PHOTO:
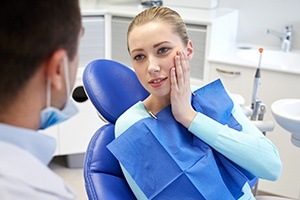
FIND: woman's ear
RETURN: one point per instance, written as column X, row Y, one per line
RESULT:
column 55, row 69
column 190, row 50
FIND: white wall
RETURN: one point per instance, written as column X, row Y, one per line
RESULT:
column 256, row 16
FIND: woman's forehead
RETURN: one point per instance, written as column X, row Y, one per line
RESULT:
column 150, row 30
column 153, row 25
column 149, row 38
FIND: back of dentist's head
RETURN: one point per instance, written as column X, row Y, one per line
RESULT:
column 31, row 31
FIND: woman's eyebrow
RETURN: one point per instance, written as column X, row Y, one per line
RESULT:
column 160, row 43
column 138, row 49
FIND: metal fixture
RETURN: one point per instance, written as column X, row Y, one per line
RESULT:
column 285, row 37
column 151, row 3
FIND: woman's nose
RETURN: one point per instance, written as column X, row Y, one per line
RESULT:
column 153, row 66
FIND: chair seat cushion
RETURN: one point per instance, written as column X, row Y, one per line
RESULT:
column 102, row 173
column 106, row 186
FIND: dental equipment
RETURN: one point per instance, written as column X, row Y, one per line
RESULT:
column 255, row 103
column 258, row 109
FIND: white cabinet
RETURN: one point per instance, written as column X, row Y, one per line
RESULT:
column 73, row 135
column 274, row 85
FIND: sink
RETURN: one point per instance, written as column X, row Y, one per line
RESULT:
column 287, row 114
column 271, row 57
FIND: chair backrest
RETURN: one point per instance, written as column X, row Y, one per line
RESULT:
column 112, row 88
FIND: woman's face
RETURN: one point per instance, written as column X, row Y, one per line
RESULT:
column 152, row 49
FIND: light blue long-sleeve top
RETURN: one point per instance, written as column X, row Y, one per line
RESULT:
column 248, row 148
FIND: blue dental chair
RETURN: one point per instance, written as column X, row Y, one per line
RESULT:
column 112, row 88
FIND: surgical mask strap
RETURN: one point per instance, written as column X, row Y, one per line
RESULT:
column 67, row 77
column 48, row 93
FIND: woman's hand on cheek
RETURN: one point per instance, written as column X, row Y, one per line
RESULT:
column 181, row 90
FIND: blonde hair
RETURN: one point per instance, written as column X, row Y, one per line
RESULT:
column 163, row 14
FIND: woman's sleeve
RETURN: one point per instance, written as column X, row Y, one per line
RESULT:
column 248, row 148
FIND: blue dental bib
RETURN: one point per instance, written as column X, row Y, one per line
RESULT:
column 169, row 162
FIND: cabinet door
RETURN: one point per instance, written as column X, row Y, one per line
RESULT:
column 197, row 34
column 236, row 79
column 91, row 45
column 119, row 28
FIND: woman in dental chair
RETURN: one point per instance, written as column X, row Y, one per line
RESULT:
column 182, row 142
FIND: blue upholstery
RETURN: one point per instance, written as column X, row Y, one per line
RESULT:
column 112, row 88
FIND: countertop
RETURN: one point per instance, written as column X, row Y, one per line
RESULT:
column 230, row 56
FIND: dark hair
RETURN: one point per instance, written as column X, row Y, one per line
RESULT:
column 30, row 32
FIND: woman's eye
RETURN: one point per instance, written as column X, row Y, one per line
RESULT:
column 163, row 50
column 138, row 57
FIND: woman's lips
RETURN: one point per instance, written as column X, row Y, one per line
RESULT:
column 157, row 82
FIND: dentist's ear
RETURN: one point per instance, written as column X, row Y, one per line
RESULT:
column 55, row 69
column 190, row 50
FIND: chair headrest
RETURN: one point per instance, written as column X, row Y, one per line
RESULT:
column 112, row 87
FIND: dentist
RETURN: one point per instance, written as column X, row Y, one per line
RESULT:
column 39, row 57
